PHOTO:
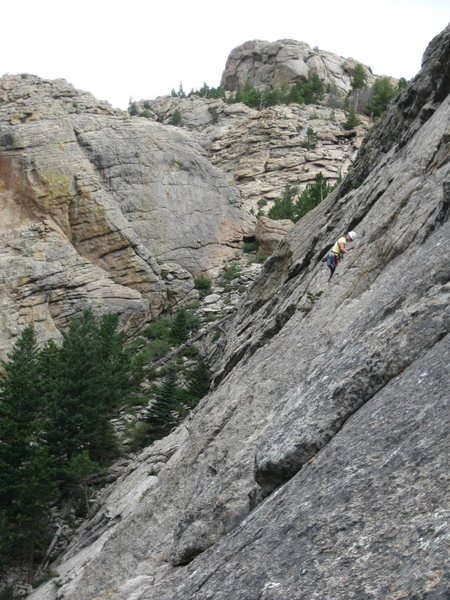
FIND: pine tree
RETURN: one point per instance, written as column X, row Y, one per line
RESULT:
column 311, row 138
column 311, row 196
column 359, row 77
column 251, row 96
column 94, row 375
column 296, row 93
column 383, row 93
column 199, row 381
column 283, row 208
column 358, row 82
column 79, row 470
column 179, row 331
column 55, row 410
column 204, row 91
column 352, row 120
column 162, row 416
column 175, row 119
column 402, row 84
column 27, row 484
column 313, row 90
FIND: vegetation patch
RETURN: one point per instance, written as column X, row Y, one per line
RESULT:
column 57, row 403
column 203, row 285
column 294, row 204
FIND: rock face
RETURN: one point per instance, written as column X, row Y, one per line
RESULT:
column 317, row 468
column 263, row 151
column 274, row 64
column 270, row 232
column 90, row 198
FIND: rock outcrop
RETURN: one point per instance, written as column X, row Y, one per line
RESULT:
column 91, row 200
column 270, row 232
column 317, row 468
column 263, row 151
column 268, row 65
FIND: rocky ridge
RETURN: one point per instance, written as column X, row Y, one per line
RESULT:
column 317, row 468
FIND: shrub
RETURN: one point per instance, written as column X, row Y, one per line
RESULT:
column 8, row 593
column 311, row 138
column 352, row 120
column 296, row 95
column 283, row 208
column 383, row 93
column 203, row 285
column 191, row 351
column 156, row 349
column 302, row 92
column 138, row 435
column 132, row 108
column 175, row 119
column 43, row 577
column 183, row 324
column 231, row 272
column 250, row 247
column 158, row 329
column 288, row 207
column 261, row 257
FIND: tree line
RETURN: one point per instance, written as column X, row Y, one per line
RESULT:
column 311, row 91
column 302, row 92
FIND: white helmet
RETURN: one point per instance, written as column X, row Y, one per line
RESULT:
column 352, row 234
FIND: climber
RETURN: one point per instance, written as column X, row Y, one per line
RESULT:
column 338, row 250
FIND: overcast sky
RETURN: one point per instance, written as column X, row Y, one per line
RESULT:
column 144, row 48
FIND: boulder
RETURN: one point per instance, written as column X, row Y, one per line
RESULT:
column 270, row 232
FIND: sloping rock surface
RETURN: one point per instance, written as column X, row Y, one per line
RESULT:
column 318, row 467
column 90, row 198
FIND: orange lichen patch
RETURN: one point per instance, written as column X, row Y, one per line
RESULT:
column 15, row 195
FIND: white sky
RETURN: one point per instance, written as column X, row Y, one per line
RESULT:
column 144, row 48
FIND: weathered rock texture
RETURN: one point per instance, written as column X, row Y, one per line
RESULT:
column 89, row 198
column 263, row 151
column 318, row 467
column 268, row 65
column 270, row 232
